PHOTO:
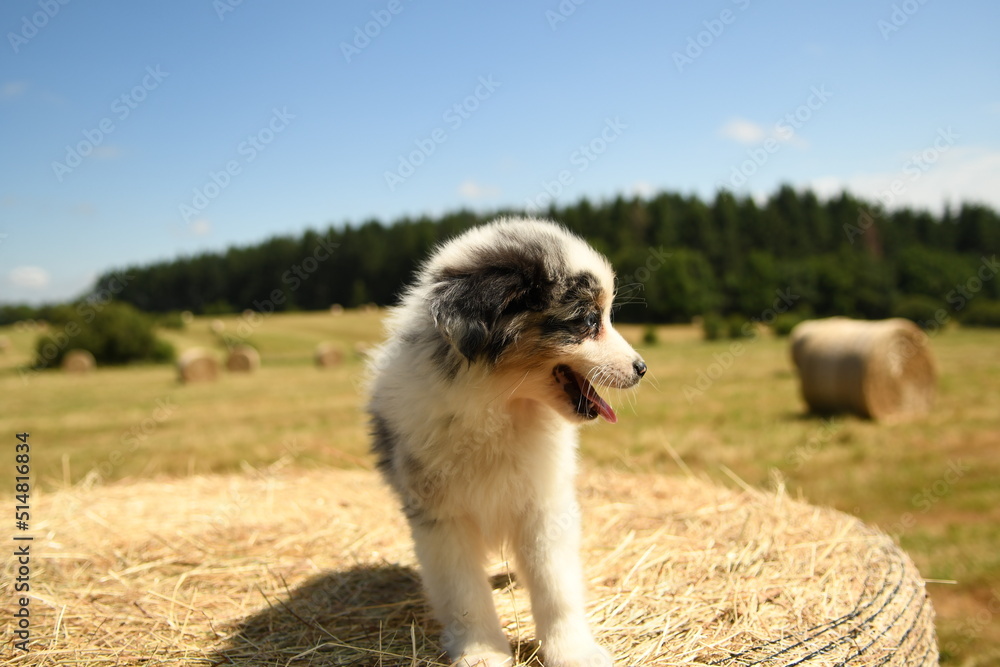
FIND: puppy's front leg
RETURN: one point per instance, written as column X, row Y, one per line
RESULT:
column 452, row 563
column 548, row 559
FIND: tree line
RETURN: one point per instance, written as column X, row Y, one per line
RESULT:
column 676, row 256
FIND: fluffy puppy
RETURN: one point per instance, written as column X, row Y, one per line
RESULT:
column 490, row 368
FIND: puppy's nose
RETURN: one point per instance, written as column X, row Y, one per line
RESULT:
column 639, row 366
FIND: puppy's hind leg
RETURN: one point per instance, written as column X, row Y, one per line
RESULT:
column 452, row 562
column 548, row 561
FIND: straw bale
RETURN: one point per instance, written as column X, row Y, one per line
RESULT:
column 316, row 568
column 882, row 369
column 336, row 309
column 243, row 359
column 328, row 354
column 217, row 326
column 197, row 365
column 78, row 361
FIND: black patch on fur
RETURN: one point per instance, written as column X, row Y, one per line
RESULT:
column 445, row 359
column 384, row 441
column 476, row 305
column 579, row 312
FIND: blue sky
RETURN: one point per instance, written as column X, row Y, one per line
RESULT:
column 134, row 132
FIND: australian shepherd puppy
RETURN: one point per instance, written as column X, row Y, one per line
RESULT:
column 491, row 365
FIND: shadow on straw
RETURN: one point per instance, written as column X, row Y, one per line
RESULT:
column 366, row 615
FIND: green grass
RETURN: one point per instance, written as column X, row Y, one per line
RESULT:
column 934, row 482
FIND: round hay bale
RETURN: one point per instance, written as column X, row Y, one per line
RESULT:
column 217, row 326
column 679, row 572
column 78, row 361
column 197, row 365
column 243, row 359
column 327, row 355
column 187, row 317
column 881, row 370
column 336, row 309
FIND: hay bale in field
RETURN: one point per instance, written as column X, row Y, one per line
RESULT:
column 327, row 355
column 882, row 369
column 197, row 365
column 243, row 359
column 187, row 317
column 217, row 326
column 78, row 361
column 319, row 564
column 336, row 309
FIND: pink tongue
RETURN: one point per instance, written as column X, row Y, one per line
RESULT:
column 602, row 406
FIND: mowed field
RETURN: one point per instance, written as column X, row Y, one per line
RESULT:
column 729, row 414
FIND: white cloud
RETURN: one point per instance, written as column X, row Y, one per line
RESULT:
column 107, row 152
column 748, row 133
column 84, row 208
column 200, row 227
column 642, row 189
column 959, row 174
column 29, row 277
column 743, row 131
column 472, row 190
column 12, row 89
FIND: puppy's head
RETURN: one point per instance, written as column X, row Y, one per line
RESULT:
column 532, row 303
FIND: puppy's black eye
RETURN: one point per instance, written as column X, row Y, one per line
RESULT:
column 592, row 321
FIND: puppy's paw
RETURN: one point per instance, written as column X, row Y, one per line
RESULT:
column 586, row 654
column 485, row 659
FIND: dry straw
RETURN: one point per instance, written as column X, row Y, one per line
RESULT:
column 882, row 370
column 243, row 359
column 197, row 365
column 316, row 568
column 328, row 354
column 78, row 361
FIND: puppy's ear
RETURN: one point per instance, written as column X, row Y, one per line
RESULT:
column 475, row 310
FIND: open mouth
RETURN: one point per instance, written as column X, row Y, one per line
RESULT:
column 582, row 395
